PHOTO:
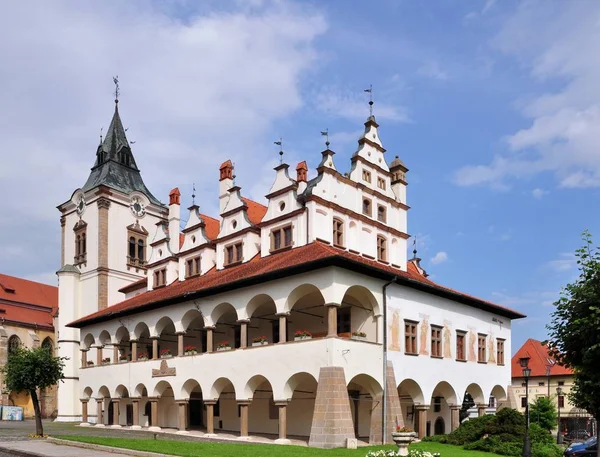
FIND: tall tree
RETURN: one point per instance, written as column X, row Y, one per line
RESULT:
column 543, row 412
column 574, row 333
column 28, row 370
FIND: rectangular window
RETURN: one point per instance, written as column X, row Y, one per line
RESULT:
column 338, row 232
column 561, row 383
column 481, row 340
column 436, row 341
column 541, row 383
column 381, row 249
column 410, row 337
column 233, row 253
column 381, row 183
column 366, row 175
column 80, row 243
column 281, row 238
column 437, row 404
column 561, row 401
column 460, row 346
column 343, row 320
column 192, row 267
column 160, row 277
column 366, row 208
column 523, row 402
column 381, row 214
column 500, row 352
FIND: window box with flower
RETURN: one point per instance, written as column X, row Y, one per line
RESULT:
column 223, row 346
column 106, row 361
column 165, row 354
column 302, row 335
column 123, row 359
column 142, row 356
column 190, row 350
column 360, row 336
column 260, row 341
column 90, row 363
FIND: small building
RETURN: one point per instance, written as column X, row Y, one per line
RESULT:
column 27, row 313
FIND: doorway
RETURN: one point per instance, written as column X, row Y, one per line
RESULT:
column 439, row 428
column 196, row 413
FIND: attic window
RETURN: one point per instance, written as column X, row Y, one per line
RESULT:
column 381, row 183
column 281, row 238
column 233, row 253
column 366, row 176
column 160, row 278
column 192, row 267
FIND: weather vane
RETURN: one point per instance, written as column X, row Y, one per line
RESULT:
column 233, row 175
column 193, row 193
column 325, row 133
column 280, row 144
column 101, row 134
column 370, row 92
column 415, row 248
column 117, row 92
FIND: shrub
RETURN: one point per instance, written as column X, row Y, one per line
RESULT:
column 546, row 450
column 537, row 434
column 470, row 431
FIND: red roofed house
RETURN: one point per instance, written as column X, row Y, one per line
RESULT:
column 27, row 312
column 298, row 317
column 546, row 376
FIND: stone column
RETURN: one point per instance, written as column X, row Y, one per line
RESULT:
column 243, row 404
column 393, row 411
column 99, row 404
column 153, row 413
column 115, row 402
column 481, row 409
column 243, row 333
column 84, row 410
column 134, row 350
column 282, row 327
column 115, row 353
column 210, row 417
column 209, row 339
column 154, row 347
column 332, row 319
column 454, row 417
column 84, row 358
column 136, row 412
column 98, row 355
column 282, row 406
column 182, row 415
column 421, row 420
column 103, row 206
column 180, row 343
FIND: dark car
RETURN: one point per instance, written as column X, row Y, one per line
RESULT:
column 587, row 448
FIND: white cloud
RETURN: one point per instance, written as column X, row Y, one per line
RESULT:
column 432, row 70
column 195, row 91
column 538, row 193
column 565, row 262
column 440, row 257
column 556, row 42
column 524, row 299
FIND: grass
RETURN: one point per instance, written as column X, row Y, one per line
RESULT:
column 206, row 449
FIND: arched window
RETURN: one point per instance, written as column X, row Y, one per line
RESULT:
column 381, row 214
column 338, row 232
column 366, row 208
column 14, row 342
column 132, row 247
column 141, row 250
column 83, row 244
column 47, row 343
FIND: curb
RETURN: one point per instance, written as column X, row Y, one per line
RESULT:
column 20, row 453
column 99, row 447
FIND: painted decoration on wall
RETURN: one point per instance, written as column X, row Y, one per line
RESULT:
column 424, row 336
column 492, row 348
column 164, row 370
column 472, row 353
column 12, row 413
column 395, row 332
column 447, row 340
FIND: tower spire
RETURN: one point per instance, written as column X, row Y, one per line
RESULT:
column 117, row 92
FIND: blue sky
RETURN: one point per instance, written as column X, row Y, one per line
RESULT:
column 493, row 106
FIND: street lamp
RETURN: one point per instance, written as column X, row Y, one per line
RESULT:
column 559, row 393
column 524, row 362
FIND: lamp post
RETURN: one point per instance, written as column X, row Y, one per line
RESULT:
column 524, row 362
column 559, row 393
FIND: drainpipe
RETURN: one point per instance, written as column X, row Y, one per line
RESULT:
column 384, row 407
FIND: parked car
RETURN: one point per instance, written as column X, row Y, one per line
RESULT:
column 576, row 436
column 587, row 448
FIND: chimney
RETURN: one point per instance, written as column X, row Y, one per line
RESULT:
column 174, row 219
column 301, row 176
column 225, row 184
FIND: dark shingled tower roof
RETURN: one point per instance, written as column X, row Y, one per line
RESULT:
column 115, row 165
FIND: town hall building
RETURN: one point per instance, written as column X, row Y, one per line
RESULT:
column 300, row 316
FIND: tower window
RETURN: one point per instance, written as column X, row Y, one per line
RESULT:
column 381, row 214
column 381, row 249
column 136, row 245
column 80, row 243
column 140, row 250
column 366, row 176
column 132, row 247
column 338, row 232
column 366, row 207
column 281, row 238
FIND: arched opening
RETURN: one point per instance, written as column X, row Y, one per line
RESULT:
column 167, row 408
column 498, row 398
column 144, row 413
column 104, row 395
column 195, row 414
column 227, row 332
column 125, row 413
column 226, row 411
column 443, row 398
column 410, row 395
column 365, row 395
column 263, row 415
column 439, row 427
column 301, row 391
column 472, row 398
column 164, row 330
column 144, row 343
column 14, row 343
column 47, row 344
column 357, row 314
column 307, row 313
column 47, row 395
column 263, row 327
column 195, row 333
column 105, row 348
column 124, row 344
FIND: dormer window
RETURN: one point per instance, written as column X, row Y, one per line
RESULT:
column 381, row 214
column 366, row 207
column 160, row 278
column 192, row 267
column 281, row 238
column 80, row 230
column 234, row 253
column 338, row 232
column 381, row 183
column 381, row 249
column 366, row 175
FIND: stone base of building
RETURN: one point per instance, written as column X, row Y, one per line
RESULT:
column 68, row 418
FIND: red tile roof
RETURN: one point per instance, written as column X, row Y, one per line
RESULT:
column 539, row 360
column 261, row 269
column 134, row 285
column 212, row 226
column 27, row 302
column 256, row 211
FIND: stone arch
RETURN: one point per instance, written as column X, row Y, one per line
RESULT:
column 410, row 388
column 257, row 302
column 364, row 392
column 294, row 381
column 301, row 292
column 140, row 391
column 219, row 386
column 499, row 393
column 361, row 296
column 121, row 392
column 476, row 393
column 193, row 324
column 221, row 310
column 188, row 387
column 103, row 392
column 300, row 389
column 122, row 335
column 253, row 383
column 141, row 330
column 87, row 393
column 161, row 387
column 191, row 316
column 261, row 311
column 224, row 318
column 88, row 341
column 306, row 310
column 48, row 343
column 164, row 323
column 445, row 390
column 368, row 383
column 104, row 338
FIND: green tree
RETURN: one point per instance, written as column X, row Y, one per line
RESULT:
column 574, row 333
column 543, row 413
column 28, row 370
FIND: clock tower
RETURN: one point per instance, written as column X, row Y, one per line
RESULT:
column 104, row 247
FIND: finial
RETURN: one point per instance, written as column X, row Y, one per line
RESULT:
column 117, row 92
column 280, row 144
column 325, row 133
column 193, row 193
column 370, row 91
column 233, row 171
column 415, row 248
column 101, row 134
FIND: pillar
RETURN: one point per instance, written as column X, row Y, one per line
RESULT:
column 393, row 411
column 99, row 404
column 136, row 412
column 332, row 319
column 98, row 355
column 282, row 327
column 182, row 415
column 115, row 403
column 421, row 421
column 84, row 358
column 243, row 333
column 481, row 409
column 454, row 417
column 180, row 343
column 134, row 350
column 154, row 413
column 84, row 410
column 209, row 339
column 210, row 416
column 115, row 353
column 282, row 406
column 154, row 348
column 243, row 404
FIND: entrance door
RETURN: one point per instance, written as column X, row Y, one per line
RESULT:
column 196, row 409
column 439, row 428
column 111, row 408
column 129, row 414
column 355, row 401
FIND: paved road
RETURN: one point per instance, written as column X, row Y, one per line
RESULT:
column 45, row 449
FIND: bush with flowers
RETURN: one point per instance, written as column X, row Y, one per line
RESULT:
column 411, row 453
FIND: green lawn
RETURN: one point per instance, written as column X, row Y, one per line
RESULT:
column 205, row 449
